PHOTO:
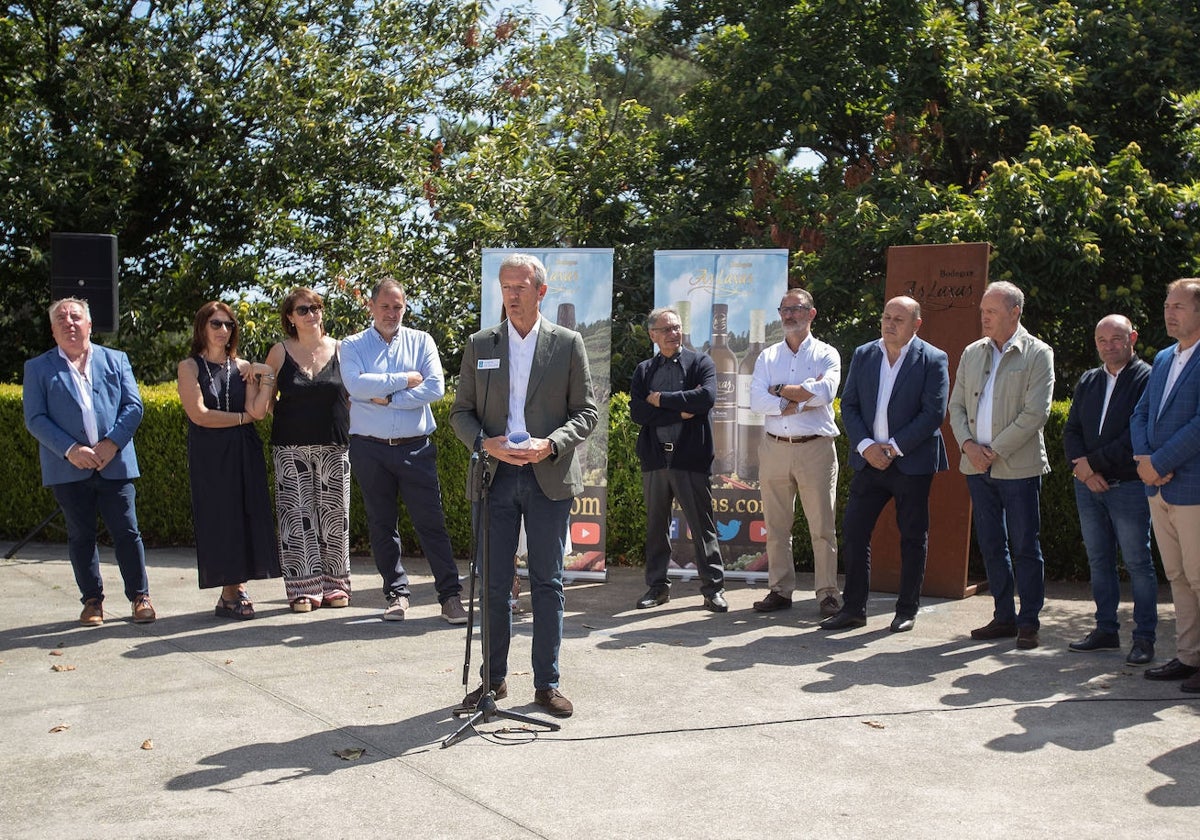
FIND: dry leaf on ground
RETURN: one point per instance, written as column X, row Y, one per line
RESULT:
column 58, row 667
column 350, row 753
column 62, row 727
column 874, row 724
column 56, row 653
column 148, row 744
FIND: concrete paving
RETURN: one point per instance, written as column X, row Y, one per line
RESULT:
column 687, row 724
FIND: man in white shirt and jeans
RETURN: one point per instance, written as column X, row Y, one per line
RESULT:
column 793, row 387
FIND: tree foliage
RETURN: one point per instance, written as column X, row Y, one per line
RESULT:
column 231, row 147
column 1058, row 131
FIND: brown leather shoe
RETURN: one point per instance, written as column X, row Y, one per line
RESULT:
column 471, row 701
column 994, row 630
column 143, row 610
column 773, row 601
column 1027, row 638
column 552, row 700
column 93, row 613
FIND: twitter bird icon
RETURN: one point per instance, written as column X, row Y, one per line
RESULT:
column 726, row 531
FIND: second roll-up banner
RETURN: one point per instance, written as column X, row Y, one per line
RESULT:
column 727, row 303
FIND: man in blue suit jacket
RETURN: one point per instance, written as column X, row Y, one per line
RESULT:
column 82, row 404
column 1165, row 431
column 892, row 406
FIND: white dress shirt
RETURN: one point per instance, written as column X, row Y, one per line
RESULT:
column 83, row 393
column 817, row 367
column 520, row 365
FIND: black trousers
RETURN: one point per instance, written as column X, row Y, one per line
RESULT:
column 693, row 491
column 870, row 490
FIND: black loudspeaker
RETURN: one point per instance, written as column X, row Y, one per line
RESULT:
column 84, row 265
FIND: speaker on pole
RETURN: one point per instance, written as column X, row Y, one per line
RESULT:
column 84, row 265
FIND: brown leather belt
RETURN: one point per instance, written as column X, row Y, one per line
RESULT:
column 394, row 441
column 797, row 439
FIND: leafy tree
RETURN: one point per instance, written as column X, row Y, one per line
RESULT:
column 231, row 147
column 916, row 109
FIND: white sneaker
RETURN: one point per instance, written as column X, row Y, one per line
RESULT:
column 396, row 608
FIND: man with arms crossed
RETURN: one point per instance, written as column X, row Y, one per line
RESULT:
column 392, row 374
column 793, row 385
column 526, row 375
column 892, row 406
column 670, row 398
column 1108, row 493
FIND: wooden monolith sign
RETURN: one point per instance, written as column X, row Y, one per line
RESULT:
column 948, row 282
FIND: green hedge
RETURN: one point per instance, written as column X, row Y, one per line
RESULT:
column 164, row 510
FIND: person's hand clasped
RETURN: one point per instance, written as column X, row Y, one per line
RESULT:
column 877, row 455
column 538, row 449
column 981, row 457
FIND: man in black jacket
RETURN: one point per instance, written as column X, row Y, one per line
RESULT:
column 670, row 398
column 1111, row 499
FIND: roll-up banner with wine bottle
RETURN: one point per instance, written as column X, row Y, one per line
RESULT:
column 579, row 285
column 727, row 303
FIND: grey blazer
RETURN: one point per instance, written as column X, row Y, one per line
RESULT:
column 559, row 404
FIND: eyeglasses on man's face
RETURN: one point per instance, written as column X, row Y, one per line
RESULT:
column 670, row 328
column 218, row 324
column 793, row 310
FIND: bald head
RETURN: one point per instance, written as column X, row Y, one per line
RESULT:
column 900, row 322
column 1115, row 342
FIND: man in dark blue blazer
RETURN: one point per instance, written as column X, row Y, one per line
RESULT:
column 671, row 397
column 1108, row 493
column 1165, row 431
column 893, row 405
column 82, row 404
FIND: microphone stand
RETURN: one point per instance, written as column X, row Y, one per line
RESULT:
column 479, row 480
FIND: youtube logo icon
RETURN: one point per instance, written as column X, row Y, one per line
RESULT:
column 585, row 533
column 758, row 531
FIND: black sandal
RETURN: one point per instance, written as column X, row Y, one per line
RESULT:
column 241, row 609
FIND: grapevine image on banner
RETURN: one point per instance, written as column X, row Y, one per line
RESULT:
column 727, row 303
column 579, row 285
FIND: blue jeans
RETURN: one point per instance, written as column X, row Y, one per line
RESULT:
column 114, row 499
column 1007, row 516
column 1119, row 517
column 515, row 494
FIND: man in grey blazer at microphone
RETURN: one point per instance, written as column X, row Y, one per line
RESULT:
column 526, row 375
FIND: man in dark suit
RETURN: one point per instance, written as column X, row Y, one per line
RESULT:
column 82, row 404
column 1165, row 431
column 670, row 398
column 1108, row 493
column 529, row 376
column 892, row 406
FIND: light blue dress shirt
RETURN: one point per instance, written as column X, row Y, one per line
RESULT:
column 372, row 367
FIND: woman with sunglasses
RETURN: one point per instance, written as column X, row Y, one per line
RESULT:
column 231, row 509
column 310, row 436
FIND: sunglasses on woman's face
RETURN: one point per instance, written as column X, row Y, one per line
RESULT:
column 305, row 308
column 218, row 324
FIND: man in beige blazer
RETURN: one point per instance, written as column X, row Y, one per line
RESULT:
column 1000, row 402
column 525, row 400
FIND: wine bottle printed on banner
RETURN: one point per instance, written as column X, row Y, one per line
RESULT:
column 683, row 308
column 724, row 413
column 566, row 315
column 749, row 423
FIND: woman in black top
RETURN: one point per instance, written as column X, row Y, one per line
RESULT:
column 309, row 439
column 231, row 509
